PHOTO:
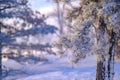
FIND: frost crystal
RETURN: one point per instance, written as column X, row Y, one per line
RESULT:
column 109, row 9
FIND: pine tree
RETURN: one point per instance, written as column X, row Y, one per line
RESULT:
column 5, row 8
column 25, row 23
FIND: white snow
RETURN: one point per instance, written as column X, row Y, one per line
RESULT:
column 11, row 64
column 58, row 75
column 57, row 68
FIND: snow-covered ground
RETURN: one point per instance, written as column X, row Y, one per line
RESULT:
column 55, row 68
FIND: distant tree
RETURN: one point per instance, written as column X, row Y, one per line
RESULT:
column 95, row 30
column 59, row 15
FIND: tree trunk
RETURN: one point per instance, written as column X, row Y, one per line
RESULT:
column 105, row 69
column 0, row 53
column 0, row 62
column 105, row 66
column 59, row 15
column 111, row 57
column 100, row 74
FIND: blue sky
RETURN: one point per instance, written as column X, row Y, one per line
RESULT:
column 39, row 4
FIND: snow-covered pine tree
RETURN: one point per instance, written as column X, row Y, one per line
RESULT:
column 95, row 30
column 5, row 6
column 19, row 24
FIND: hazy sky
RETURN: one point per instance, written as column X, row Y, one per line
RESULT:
column 39, row 4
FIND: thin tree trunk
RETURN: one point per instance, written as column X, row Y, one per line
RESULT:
column 100, row 73
column 0, row 53
column 111, row 57
column 59, row 15
column 59, row 18
column 0, row 63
